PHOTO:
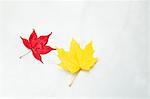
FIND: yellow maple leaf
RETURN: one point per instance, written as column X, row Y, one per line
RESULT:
column 77, row 59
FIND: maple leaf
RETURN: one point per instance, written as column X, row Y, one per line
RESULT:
column 76, row 59
column 37, row 45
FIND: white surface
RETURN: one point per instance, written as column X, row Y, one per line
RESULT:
column 117, row 29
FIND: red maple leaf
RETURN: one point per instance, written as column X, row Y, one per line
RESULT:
column 37, row 45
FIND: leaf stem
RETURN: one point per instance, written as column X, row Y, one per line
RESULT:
column 25, row 54
column 75, row 76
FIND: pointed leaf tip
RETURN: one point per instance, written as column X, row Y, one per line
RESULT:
column 26, row 43
column 33, row 29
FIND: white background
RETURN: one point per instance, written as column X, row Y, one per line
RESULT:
column 119, row 31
